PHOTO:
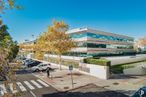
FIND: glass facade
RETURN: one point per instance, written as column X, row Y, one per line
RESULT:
column 90, row 45
column 94, row 45
column 100, row 36
column 118, row 48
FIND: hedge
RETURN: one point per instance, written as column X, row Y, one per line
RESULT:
column 102, row 62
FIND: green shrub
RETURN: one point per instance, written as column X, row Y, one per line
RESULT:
column 102, row 62
column 86, row 60
column 117, row 69
column 128, row 66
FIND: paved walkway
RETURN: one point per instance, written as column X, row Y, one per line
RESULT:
column 61, row 80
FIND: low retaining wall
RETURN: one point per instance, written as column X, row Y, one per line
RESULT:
column 65, row 57
column 126, row 59
column 95, row 70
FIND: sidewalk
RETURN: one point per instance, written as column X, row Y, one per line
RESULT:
column 61, row 80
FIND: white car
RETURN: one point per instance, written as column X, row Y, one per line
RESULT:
column 41, row 67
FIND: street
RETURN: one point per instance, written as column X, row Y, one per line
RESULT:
column 31, row 86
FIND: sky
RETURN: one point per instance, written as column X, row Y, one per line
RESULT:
column 127, row 17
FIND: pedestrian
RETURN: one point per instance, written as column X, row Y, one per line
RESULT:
column 48, row 72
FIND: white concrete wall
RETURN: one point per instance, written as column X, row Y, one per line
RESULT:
column 97, row 70
column 126, row 59
column 65, row 57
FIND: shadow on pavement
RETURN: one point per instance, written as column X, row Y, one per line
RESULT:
column 87, row 94
column 90, row 90
column 122, row 76
column 23, row 71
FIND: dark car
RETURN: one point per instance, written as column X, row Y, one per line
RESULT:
column 140, row 93
column 34, row 63
column 28, row 61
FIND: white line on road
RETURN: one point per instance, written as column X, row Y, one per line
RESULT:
column 29, row 85
column 3, row 89
column 21, row 86
column 12, row 88
column 43, row 83
column 36, row 84
column 1, row 93
column 33, row 94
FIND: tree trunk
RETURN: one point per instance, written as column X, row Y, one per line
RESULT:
column 60, row 62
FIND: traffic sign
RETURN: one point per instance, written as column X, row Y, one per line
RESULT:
column 70, row 67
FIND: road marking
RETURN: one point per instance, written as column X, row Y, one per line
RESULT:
column 43, row 83
column 3, row 89
column 1, row 93
column 33, row 94
column 36, row 84
column 29, row 85
column 12, row 88
column 21, row 86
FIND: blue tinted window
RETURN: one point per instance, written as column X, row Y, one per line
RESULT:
column 74, row 35
column 99, row 36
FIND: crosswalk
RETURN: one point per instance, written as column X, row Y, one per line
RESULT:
column 23, row 86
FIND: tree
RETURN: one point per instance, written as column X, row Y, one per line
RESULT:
column 56, row 40
column 8, row 4
column 140, row 44
column 7, row 42
column 8, row 51
column 40, row 48
column 14, row 49
column 142, row 41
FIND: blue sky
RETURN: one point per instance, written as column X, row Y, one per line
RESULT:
column 119, row 16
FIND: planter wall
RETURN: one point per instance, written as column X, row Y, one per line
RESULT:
column 95, row 70
column 126, row 59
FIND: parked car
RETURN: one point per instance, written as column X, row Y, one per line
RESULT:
column 28, row 61
column 33, row 63
column 41, row 67
column 140, row 93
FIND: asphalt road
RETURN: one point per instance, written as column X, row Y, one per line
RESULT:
column 31, row 86
column 39, row 87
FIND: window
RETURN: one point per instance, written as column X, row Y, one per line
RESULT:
column 100, row 36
